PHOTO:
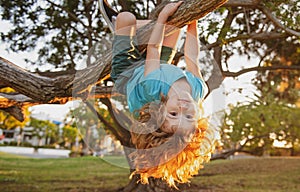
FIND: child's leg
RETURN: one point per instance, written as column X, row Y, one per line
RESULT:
column 124, row 50
column 171, row 40
column 126, row 24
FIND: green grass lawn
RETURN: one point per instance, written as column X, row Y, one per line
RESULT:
column 94, row 174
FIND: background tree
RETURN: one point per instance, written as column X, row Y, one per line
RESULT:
column 83, row 122
column 69, row 29
column 253, row 128
column 243, row 28
column 69, row 136
column 44, row 129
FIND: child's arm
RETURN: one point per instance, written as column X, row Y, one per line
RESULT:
column 155, row 42
column 192, row 49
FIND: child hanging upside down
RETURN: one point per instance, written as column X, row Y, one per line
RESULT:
column 166, row 100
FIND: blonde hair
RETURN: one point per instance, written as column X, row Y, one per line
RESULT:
column 164, row 155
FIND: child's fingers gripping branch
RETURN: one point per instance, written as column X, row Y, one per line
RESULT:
column 167, row 11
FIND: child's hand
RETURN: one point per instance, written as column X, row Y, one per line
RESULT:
column 167, row 11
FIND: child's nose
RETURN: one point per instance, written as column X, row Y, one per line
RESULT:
column 183, row 105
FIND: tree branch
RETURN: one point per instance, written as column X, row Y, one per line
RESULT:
column 16, row 111
column 255, row 36
column 216, row 78
column 235, row 74
column 276, row 22
column 11, row 99
column 188, row 11
column 266, row 11
column 122, row 122
column 37, row 87
column 228, row 153
column 103, row 120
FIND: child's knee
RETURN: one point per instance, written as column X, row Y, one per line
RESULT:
column 126, row 19
column 126, row 24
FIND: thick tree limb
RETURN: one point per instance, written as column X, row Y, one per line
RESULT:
column 189, row 10
column 2, row 85
column 36, row 87
column 50, row 90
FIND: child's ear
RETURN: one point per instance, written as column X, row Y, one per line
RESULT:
column 161, row 117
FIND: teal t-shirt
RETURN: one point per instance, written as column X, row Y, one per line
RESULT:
column 144, row 89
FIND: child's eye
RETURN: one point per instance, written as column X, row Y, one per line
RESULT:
column 173, row 114
column 189, row 116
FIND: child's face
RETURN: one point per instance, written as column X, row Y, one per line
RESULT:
column 182, row 114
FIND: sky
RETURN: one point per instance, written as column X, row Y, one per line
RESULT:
column 216, row 101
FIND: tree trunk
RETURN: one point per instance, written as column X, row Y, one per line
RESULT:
column 155, row 185
column 86, row 149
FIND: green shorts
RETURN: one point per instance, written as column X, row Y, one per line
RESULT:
column 126, row 58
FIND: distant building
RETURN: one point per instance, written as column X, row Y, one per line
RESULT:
column 27, row 134
column 1, row 136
